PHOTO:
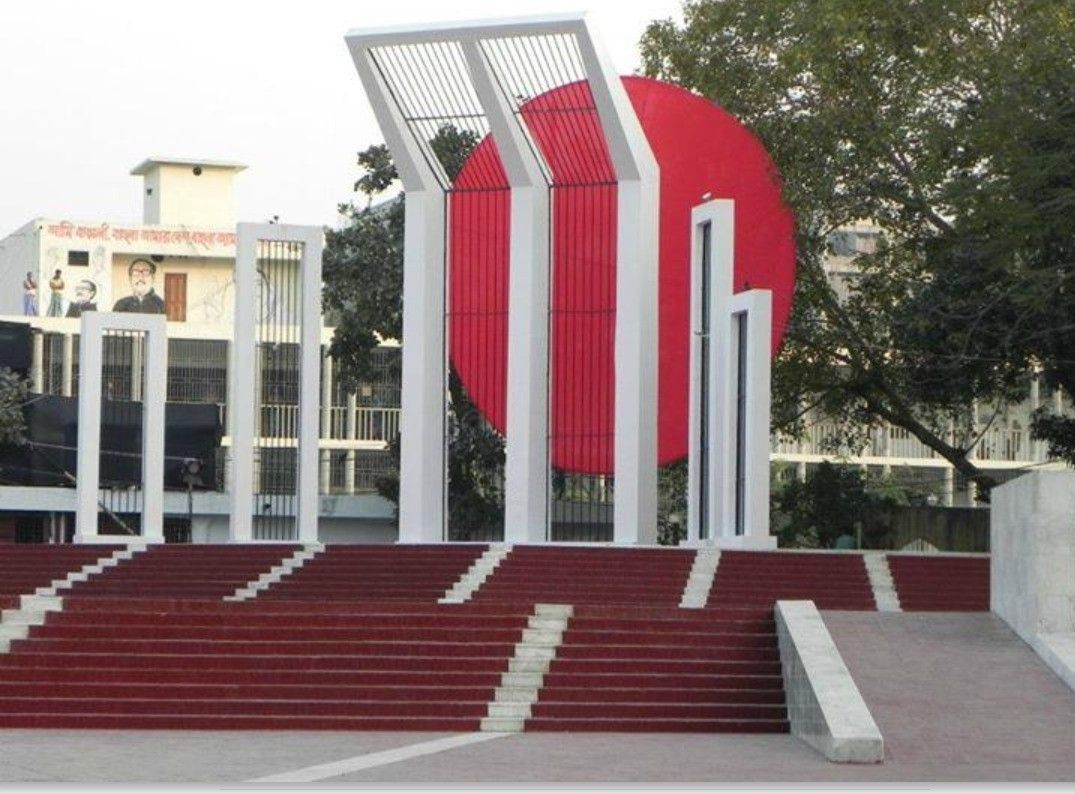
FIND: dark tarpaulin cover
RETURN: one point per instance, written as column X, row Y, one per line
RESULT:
column 15, row 347
column 191, row 431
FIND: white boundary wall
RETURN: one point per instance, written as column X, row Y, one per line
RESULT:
column 825, row 708
column 725, row 309
column 90, row 358
column 242, row 387
column 422, row 508
column 1032, row 564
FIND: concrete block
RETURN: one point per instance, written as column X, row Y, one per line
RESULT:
column 501, row 725
column 509, row 711
column 528, row 665
column 1032, row 563
column 825, row 708
column 40, row 603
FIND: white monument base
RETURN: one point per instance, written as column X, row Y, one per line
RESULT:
column 1032, row 564
column 744, row 542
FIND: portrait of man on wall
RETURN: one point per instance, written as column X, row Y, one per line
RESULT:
column 142, row 299
column 85, row 298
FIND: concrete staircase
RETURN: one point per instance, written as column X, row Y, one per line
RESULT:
column 457, row 637
column 937, row 582
column 831, row 580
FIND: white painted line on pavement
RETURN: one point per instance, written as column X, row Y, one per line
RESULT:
column 312, row 774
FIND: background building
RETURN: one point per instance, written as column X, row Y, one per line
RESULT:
column 180, row 261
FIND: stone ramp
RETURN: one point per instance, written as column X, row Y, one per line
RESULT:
column 957, row 696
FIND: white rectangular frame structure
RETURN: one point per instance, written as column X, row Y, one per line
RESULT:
column 423, row 498
column 242, row 386
column 726, row 511
column 155, row 366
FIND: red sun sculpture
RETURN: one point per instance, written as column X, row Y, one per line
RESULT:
column 703, row 153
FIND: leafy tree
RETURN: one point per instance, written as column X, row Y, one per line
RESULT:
column 831, row 501
column 363, row 294
column 13, row 394
column 950, row 124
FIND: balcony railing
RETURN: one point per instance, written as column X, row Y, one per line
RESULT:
column 357, row 424
column 998, row 445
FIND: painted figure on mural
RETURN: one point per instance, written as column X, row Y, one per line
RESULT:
column 56, row 298
column 142, row 298
column 29, row 296
column 85, row 298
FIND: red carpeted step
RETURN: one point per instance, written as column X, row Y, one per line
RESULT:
column 216, row 707
column 831, row 580
column 580, row 575
column 394, row 572
column 658, row 725
column 26, row 567
column 185, row 571
column 271, row 678
column 207, row 722
column 305, row 648
column 935, row 583
column 246, row 662
column 431, row 691
column 775, row 712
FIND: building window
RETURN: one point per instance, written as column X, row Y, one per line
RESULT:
column 197, row 370
column 78, row 258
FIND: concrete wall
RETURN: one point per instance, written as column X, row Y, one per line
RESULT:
column 181, row 197
column 214, row 529
column 19, row 255
column 1032, row 566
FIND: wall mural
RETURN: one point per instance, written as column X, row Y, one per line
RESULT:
column 143, row 298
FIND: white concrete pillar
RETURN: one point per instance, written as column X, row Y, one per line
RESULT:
column 1036, row 446
column 728, row 472
column 68, row 365
column 526, row 492
column 37, row 362
column 91, row 349
column 324, row 455
column 352, row 427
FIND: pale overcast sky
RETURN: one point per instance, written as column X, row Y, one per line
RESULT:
column 90, row 89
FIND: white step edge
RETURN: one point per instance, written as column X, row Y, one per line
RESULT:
column 476, row 575
column 825, row 707
column 33, row 609
column 700, row 581
column 884, row 589
column 521, row 684
column 277, row 572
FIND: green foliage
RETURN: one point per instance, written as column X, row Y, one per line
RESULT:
column 672, row 503
column 831, row 502
column 13, row 394
column 950, row 125
column 363, row 294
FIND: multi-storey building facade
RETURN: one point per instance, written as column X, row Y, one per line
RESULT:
column 180, row 261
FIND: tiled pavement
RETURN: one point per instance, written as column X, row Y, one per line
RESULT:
column 957, row 697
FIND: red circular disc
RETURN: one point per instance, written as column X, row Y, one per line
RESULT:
column 703, row 152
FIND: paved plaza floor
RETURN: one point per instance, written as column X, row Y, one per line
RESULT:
column 958, row 697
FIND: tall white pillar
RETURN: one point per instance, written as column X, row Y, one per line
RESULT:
column 68, row 364
column 637, row 269
column 730, row 392
column 91, row 349
column 37, row 362
column 325, row 455
column 526, row 493
column 243, row 400
column 352, row 431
